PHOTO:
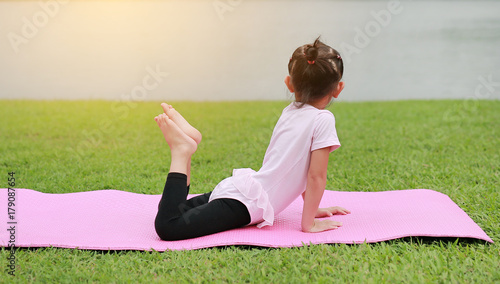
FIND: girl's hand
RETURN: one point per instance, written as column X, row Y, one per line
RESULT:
column 324, row 225
column 330, row 211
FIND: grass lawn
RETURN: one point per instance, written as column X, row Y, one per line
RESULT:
column 448, row 146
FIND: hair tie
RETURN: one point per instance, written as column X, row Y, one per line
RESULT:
column 338, row 56
column 311, row 62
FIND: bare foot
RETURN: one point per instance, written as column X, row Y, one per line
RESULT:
column 182, row 122
column 180, row 143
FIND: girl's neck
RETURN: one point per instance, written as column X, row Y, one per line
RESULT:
column 321, row 103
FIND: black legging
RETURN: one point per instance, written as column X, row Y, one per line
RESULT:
column 180, row 219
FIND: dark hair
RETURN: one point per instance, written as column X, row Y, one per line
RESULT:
column 315, row 70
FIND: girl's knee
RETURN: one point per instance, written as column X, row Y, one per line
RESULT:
column 164, row 229
column 166, row 233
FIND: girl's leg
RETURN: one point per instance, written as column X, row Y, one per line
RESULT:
column 216, row 216
column 188, row 174
column 190, row 131
column 182, row 148
column 180, row 219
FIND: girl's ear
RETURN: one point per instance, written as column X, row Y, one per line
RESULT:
column 336, row 91
column 288, row 83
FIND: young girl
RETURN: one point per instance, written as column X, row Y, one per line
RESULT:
column 295, row 162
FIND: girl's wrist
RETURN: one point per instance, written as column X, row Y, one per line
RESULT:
column 308, row 228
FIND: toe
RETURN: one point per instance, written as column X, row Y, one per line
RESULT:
column 161, row 118
column 165, row 107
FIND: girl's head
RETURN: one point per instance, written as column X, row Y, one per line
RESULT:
column 315, row 73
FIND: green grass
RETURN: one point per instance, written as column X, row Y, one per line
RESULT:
column 448, row 146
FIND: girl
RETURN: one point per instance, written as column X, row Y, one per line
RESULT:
column 295, row 162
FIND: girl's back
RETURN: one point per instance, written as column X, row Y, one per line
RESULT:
column 298, row 132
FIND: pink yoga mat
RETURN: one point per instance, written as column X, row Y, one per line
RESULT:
column 119, row 220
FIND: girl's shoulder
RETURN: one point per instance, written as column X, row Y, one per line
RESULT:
column 324, row 119
column 309, row 113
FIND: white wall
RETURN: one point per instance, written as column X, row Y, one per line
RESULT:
column 239, row 50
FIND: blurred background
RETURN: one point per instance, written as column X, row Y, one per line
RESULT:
column 239, row 49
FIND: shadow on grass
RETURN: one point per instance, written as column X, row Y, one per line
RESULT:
column 419, row 241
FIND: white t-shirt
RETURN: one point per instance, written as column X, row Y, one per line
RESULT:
column 283, row 175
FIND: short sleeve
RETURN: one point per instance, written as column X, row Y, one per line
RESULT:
column 325, row 134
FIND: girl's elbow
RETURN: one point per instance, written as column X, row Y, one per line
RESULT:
column 317, row 180
column 317, row 175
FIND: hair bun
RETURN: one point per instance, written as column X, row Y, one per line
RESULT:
column 311, row 53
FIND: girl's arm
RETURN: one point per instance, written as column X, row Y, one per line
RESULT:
column 316, row 183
